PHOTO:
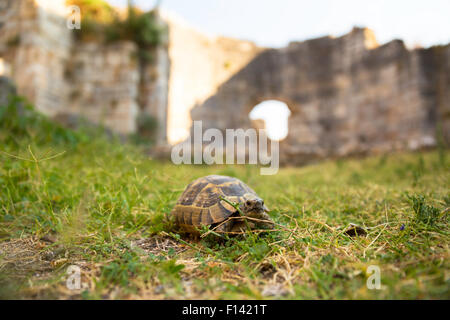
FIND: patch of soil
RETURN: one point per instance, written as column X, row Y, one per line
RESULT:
column 158, row 244
column 24, row 256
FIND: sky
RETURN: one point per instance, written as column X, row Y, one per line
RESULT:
column 274, row 23
column 275, row 114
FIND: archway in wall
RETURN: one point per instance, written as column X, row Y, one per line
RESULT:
column 275, row 115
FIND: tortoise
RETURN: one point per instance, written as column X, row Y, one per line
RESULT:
column 203, row 204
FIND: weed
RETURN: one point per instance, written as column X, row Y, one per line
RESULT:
column 82, row 197
column 424, row 213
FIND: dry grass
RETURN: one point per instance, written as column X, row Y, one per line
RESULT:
column 103, row 206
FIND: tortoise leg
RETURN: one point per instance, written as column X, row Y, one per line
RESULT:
column 224, row 227
column 269, row 222
column 241, row 226
column 194, row 236
column 235, row 227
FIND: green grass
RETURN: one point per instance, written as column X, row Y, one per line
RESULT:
column 81, row 198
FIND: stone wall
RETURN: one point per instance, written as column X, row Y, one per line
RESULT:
column 199, row 64
column 105, row 83
column 154, row 84
column 347, row 96
column 436, row 63
column 35, row 46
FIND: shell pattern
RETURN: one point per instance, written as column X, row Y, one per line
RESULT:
column 201, row 203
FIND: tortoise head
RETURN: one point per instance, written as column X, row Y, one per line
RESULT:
column 254, row 207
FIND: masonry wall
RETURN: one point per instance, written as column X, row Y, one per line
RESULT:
column 61, row 76
column 436, row 64
column 105, row 83
column 347, row 96
column 35, row 45
column 154, row 84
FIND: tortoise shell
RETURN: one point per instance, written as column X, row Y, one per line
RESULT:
column 201, row 203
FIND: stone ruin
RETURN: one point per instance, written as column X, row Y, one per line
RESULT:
column 347, row 95
column 105, row 83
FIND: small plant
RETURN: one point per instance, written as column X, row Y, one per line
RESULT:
column 121, row 270
column 147, row 126
column 171, row 268
column 425, row 213
column 14, row 41
column 96, row 15
column 100, row 22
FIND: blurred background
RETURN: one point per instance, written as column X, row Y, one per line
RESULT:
column 326, row 78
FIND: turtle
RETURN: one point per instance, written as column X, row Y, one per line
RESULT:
column 207, row 202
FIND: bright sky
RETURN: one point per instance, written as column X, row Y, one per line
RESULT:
column 274, row 23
